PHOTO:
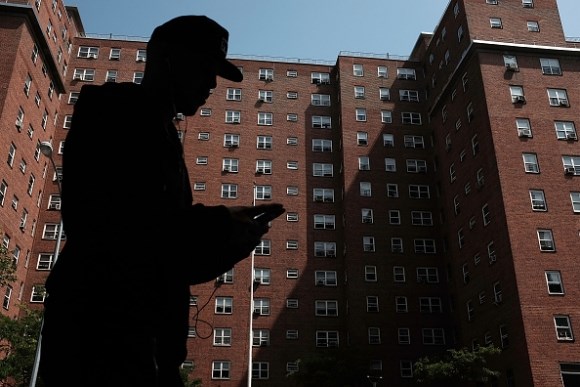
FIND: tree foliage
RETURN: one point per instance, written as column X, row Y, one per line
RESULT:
column 458, row 366
column 18, row 340
column 332, row 369
column 7, row 267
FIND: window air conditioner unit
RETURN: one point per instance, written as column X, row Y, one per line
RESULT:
column 563, row 103
column 226, row 168
column 384, row 98
column 538, row 206
column 330, row 254
column 324, row 82
column 511, row 66
column 140, row 60
column 219, row 280
column 316, row 81
column 422, row 169
column 571, row 136
column 367, row 220
column 78, row 77
column 18, row 124
column 524, row 133
column 320, row 283
column 54, row 206
column 92, row 56
column 257, row 280
column 569, row 171
column 519, row 99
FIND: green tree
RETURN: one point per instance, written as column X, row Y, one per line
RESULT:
column 185, row 377
column 18, row 340
column 457, row 366
column 331, row 369
column 7, row 266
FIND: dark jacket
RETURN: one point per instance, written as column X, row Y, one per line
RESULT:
column 135, row 241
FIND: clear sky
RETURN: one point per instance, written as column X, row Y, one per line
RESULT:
column 303, row 29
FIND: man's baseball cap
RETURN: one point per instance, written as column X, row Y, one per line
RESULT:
column 202, row 35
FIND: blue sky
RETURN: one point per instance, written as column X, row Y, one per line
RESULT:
column 302, row 29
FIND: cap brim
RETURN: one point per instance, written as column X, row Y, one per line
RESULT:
column 229, row 71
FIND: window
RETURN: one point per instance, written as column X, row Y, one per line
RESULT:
column 395, row 217
column 265, row 118
column 229, row 191
column 396, row 245
column 497, row 293
column 292, row 273
column 574, row 198
column 416, row 142
column 367, row 215
column 260, row 370
column 365, row 189
column 222, row 337
column 322, row 170
column 221, row 369
column 528, row 3
column 388, row 140
column 321, row 122
column 421, row 218
column 326, row 308
column 38, row 293
column 523, row 127
column 406, row 73
column 386, row 116
column 233, row 117
column 554, row 282
column 264, row 142
column 546, row 240
column 382, row 72
column 390, row 165
column 430, row 305
column 292, row 190
column 265, row 96
column 538, row 200
column 571, row 165
column 324, row 222
column 429, row 275
column 260, row 337
column 533, row 26
column 362, row 138
column 361, row 114
column 262, row 276
column 374, row 334
column 291, row 73
column 368, row 244
column 321, row 145
column 504, row 336
column 84, row 75
column 416, row 166
column 230, row 165
column 401, row 304
column 558, row 97
column 234, row 94
column 261, row 306
column 399, row 274
column 469, row 309
column 364, row 163
column 138, row 77
column 565, row 130
column 495, row 22
column 323, row 195
column 205, row 112
column 320, row 78
column 224, row 305
column 491, row 252
column 263, row 167
column 485, row 214
column 433, row 336
column 115, row 54
column 563, row 328
column 291, row 303
column 384, row 94
column 88, row 52
column 409, row 95
column 419, row 191
column 550, row 66
column 357, row 70
column 263, row 192
column 320, row 100
column 327, row 338
column 370, row 274
column 531, row 163
column 266, row 74
column 392, row 190
column 411, row 118
column 325, row 249
column 325, row 278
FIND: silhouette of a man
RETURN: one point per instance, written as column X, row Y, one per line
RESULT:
column 117, row 309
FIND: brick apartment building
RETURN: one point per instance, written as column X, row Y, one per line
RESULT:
column 432, row 201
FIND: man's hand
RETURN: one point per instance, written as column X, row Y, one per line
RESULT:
column 249, row 224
